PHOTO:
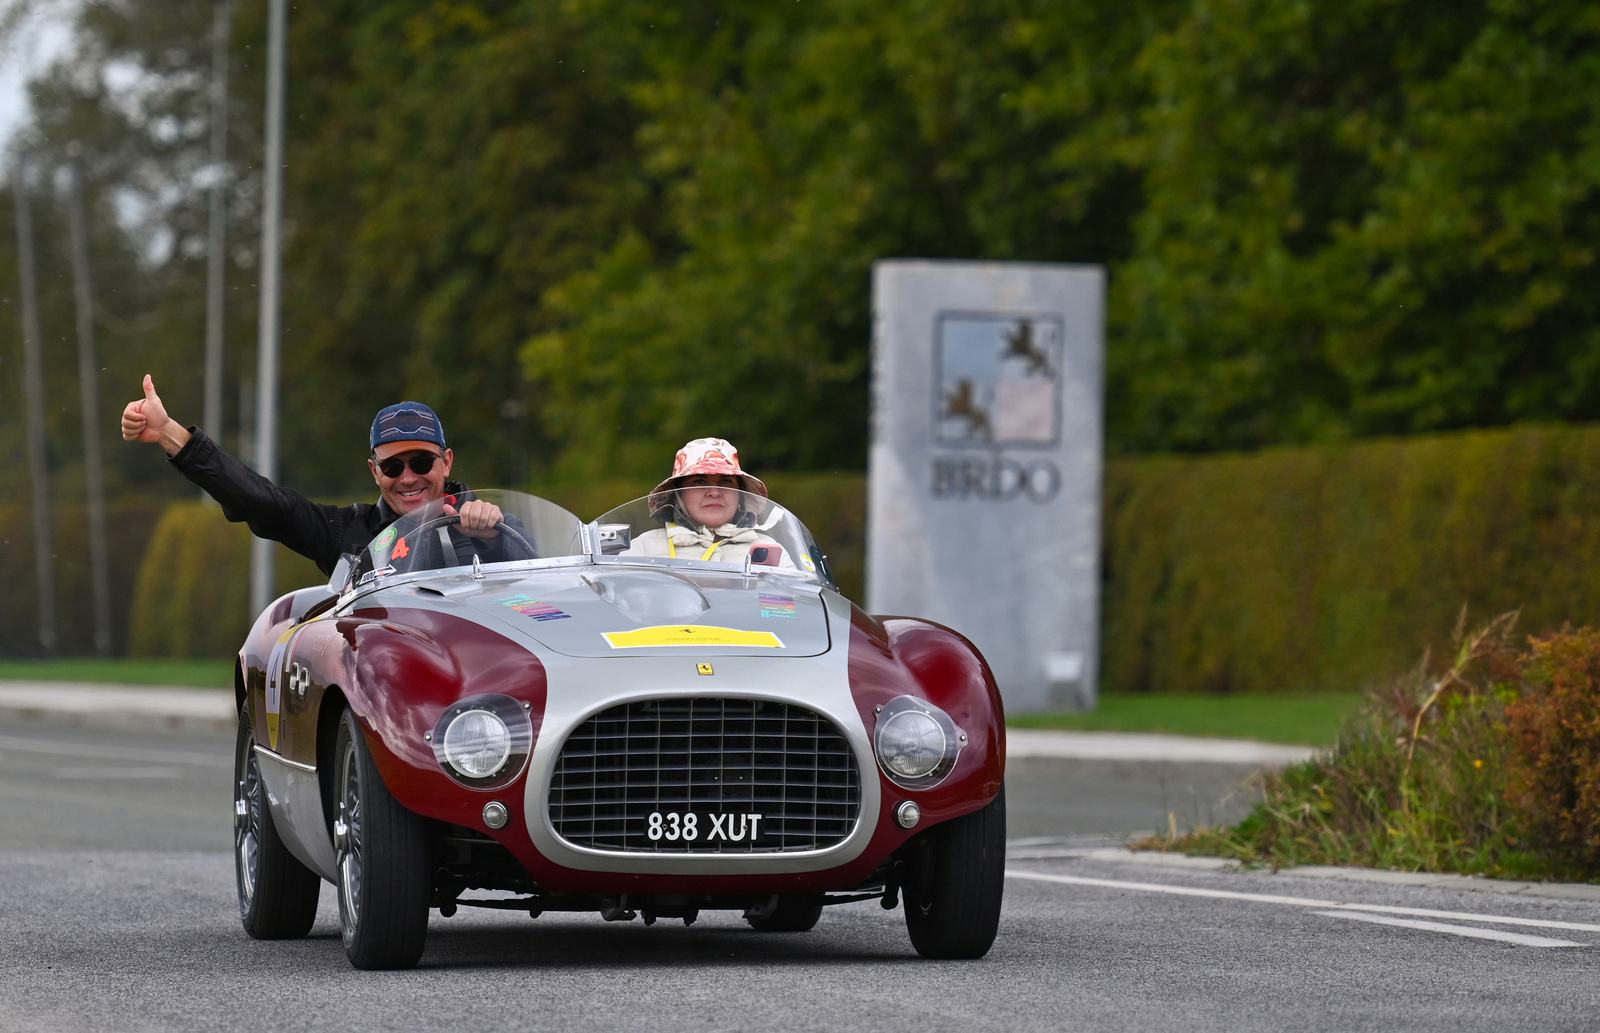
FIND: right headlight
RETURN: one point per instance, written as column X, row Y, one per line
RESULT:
column 477, row 743
column 484, row 741
column 916, row 742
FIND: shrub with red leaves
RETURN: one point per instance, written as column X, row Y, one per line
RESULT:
column 1554, row 764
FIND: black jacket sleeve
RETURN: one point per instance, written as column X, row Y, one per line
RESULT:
column 313, row 530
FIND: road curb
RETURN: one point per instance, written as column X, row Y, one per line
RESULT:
column 119, row 706
column 126, row 706
column 1034, row 850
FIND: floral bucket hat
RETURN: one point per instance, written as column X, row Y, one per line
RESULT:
column 709, row 456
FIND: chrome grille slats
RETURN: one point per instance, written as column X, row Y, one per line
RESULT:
column 708, row 756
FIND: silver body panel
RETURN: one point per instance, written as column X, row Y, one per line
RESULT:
column 578, row 690
column 295, row 798
column 584, row 676
column 590, row 602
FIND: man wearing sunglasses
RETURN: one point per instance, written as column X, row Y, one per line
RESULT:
column 409, row 462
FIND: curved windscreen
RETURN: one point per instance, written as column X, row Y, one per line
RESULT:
column 430, row 537
column 711, row 525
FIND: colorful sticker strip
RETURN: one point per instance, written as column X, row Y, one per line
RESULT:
column 528, row 606
column 776, row 606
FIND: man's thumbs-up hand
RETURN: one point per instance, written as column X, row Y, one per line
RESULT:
column 146, row 420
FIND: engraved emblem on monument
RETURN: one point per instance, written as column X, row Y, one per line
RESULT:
column 998, row 378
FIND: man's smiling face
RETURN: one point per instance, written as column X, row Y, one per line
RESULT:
column 407, row 489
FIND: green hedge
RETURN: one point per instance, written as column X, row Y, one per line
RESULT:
column 1323, row 568
column 128, row 525
column 1290, row 570
column 193, row 592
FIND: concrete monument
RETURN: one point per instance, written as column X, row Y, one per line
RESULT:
column 983, row 502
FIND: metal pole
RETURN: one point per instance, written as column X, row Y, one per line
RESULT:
column 217, row 242
column 33, row 407
column 89, row 396
column 263, row 572
column 247, row 416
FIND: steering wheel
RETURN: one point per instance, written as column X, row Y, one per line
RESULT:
column 504, row 528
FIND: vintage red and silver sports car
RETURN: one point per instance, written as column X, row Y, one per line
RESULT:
column 586, row 717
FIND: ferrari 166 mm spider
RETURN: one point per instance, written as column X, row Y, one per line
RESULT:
column 583, row 717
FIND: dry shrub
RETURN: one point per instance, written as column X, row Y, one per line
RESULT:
column 1554, row 725
column 1417, row 780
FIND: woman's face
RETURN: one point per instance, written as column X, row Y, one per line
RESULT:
column 710, row 500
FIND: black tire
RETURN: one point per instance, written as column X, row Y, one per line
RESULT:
column 793, row 915
column 956, row 882
column 277, row 894
column 385, row 861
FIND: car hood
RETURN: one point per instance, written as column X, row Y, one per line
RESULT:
column 620, row 611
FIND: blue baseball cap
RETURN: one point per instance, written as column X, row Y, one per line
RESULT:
column 407, row 421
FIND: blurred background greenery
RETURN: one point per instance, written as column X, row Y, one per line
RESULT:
column 587, row 230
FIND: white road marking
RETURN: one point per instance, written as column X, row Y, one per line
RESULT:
column 1269, row 898
column 118, row 774
column 1030, row 742
column 87, row 750
column 1522, row 939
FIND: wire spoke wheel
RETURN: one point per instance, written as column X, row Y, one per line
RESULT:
column 248, row 805
column 277, row 893
column 349, row 844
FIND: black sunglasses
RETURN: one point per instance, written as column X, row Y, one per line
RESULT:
column 420, row 463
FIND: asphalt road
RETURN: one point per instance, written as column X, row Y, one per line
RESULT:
column 117, row 912
column 69, row 787
column 72, row 787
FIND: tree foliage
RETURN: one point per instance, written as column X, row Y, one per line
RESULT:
column 1362, row 218
column 586, row 230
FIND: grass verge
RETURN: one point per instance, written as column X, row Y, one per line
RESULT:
column 209, row 674
column 1311, row 720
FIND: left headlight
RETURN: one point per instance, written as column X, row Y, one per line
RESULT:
column 916, row 742
column 483, row 741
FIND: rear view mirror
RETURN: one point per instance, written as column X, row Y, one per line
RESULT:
column 614, row 538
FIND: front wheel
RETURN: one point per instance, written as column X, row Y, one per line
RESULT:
column 792, row 915
column 384, row 857
column 277, row 894
column 953, row 893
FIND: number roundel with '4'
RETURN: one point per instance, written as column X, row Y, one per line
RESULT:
column 277, row 678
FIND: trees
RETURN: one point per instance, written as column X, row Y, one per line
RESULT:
column 132, row 96
column 791, row 146
column 589, row 229
column 1361, row 218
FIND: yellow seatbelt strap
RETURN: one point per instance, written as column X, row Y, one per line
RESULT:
column 672, row 550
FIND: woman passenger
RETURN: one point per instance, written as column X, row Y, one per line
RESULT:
column 706, row 512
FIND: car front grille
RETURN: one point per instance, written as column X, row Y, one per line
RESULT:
column 776, row 776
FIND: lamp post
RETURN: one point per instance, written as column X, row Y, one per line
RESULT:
column 33, row 409
column 89, row 397
column 263, row 566
column 216, row 243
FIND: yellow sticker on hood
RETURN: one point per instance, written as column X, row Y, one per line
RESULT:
column 691, row 635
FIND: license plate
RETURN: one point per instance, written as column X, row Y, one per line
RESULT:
column 689, row 826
